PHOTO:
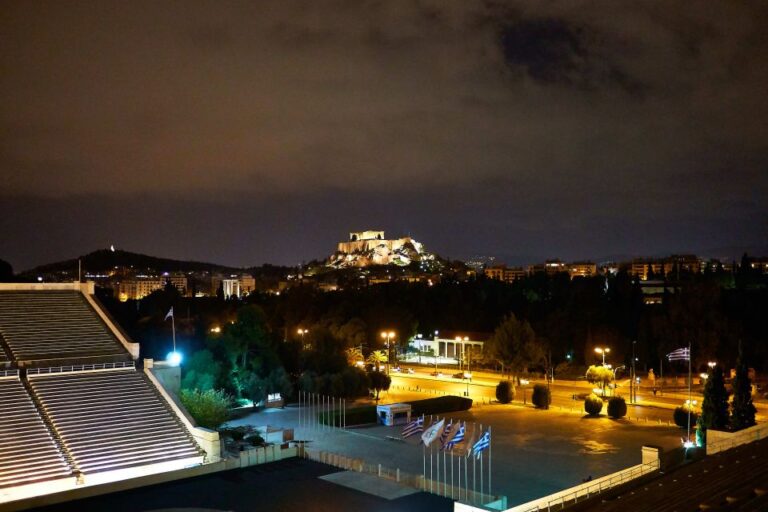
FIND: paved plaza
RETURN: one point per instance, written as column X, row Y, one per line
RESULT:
column 534, row 452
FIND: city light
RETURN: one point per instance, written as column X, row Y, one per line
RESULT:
column 216, row 330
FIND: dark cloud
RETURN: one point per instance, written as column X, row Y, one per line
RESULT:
column 509, row 118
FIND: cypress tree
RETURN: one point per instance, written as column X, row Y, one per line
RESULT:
column 742, row 410
column 714, row 409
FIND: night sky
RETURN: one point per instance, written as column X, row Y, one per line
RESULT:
column 255, row 132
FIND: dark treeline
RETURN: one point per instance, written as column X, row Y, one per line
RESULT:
column 713, row 311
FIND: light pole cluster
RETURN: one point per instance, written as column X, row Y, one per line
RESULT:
column 388, row 336
column 603, row 351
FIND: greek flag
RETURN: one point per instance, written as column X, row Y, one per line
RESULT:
column 681, row 354
column 413, row 428
column 446, row 433
column 482, row 444
column 168, row 315
column 458, row 438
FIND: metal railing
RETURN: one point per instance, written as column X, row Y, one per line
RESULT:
column 82, row 368
column 584, row 491
column 9, row 373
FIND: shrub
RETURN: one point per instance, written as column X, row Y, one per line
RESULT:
column 593, row 404
column 541, row 397
column 209, row 408
column 681, row 417
column 617, row 407
column 504, row 392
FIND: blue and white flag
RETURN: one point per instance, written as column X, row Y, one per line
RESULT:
column 482, row 444
column 444, row 437
column 458, row 437
column 413, row 428
column 169, row 314
column 681, row 354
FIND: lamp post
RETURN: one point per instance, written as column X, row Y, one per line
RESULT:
column 602, row 351
column 388, row 336
column 301, row 333
column 632, row 388
column 524, row 384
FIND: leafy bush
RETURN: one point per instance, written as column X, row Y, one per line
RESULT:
column 504, row 392
column 617, row 407
column 681, row 417
column 541, row 397
column 593, row 404
column 209, row 408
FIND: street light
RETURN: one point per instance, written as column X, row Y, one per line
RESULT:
column 302, row 332
column 388, row 336
column 524, row 383
column 603, row 351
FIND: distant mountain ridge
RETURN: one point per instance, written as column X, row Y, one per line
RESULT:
column 107, row 259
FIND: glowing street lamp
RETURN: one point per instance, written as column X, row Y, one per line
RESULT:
column 388, row 336
column 173, row 358
column 602, row 351
column 301, row 333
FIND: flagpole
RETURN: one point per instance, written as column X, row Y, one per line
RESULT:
column 451, row 474
column 490, row 442
column 445, row 474
column 690, row 403
column 173, row 328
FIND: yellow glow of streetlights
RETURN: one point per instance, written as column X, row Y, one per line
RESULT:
column 603, row 351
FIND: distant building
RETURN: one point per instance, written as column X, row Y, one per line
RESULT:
column 504, row 273
column 550, row 267
column 233, row 285
column 453, row 344
column 140, row 286
column 582, row 269
column 645, row 269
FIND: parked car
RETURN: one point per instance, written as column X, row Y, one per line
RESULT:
column 462, row 375
column 436, row 374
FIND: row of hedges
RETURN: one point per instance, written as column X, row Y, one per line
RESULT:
column 367, row 414
column 617, row 407
column 354, row 416
column 540, row 397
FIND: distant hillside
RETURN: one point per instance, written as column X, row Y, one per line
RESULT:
column 106, row 259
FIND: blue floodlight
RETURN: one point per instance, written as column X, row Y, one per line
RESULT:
column 173, row 358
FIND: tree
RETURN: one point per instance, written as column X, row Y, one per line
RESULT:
column 376, row 358
column 209, row 408
column 714, row 407
column 201, row 371
column 599, row 375
column 379, row 382
column 504, row 392
column 742, row 409
column 514, row 345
